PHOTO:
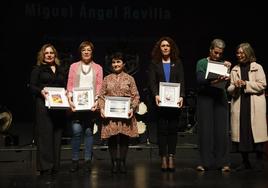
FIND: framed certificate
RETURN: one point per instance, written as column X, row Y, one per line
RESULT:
column 56, row 98
column 117, row 107
column 169, row 94
column 83, row 98
column 216, row 69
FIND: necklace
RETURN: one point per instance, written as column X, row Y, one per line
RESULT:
column 87, row 67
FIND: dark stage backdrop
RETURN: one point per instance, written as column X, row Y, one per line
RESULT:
column 129, row 25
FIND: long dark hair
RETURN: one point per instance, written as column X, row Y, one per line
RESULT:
column 174, row 50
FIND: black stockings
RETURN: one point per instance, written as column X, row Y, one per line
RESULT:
column 121, row 141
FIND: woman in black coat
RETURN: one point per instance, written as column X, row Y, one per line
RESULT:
column 166, row 66
column 48, row 122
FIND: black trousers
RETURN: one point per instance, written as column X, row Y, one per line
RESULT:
column 48, row 132
column 167, row 127
column 213, row 130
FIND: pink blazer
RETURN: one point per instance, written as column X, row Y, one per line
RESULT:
column 72, row 77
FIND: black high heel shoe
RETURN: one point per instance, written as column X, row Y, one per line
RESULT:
column 171, row 163
column 164, row 167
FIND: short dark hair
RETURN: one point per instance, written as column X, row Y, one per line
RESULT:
column 118, row 55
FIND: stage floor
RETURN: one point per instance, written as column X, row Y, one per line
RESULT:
column 143, row 171
column 18, row 170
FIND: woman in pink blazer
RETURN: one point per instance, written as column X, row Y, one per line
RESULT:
column 83, row 74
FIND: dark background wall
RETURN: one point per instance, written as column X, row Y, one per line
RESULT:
column 133, row 26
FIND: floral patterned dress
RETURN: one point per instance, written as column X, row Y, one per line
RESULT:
column 120, row 85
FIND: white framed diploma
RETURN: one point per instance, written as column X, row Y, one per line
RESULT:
column 56, row 98
column 83, row 98
column 216, row 69
column 169, row 94
column 117, row 107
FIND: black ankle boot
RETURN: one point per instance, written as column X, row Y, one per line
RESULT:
column 244, row 166
column 54, row 171
column 87, row 166
column 74, row 166
column 122, row 166
column 114, row 168
column 46, row 172
column 259, row 162
column 259, row 166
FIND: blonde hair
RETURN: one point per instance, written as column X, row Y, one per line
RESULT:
column 41, row 54
column 248, row 51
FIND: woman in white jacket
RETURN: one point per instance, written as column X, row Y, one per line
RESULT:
column 248, row 106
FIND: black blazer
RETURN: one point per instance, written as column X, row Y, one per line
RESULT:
column 156, row 75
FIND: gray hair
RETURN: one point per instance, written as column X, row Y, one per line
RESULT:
column 217, row 43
